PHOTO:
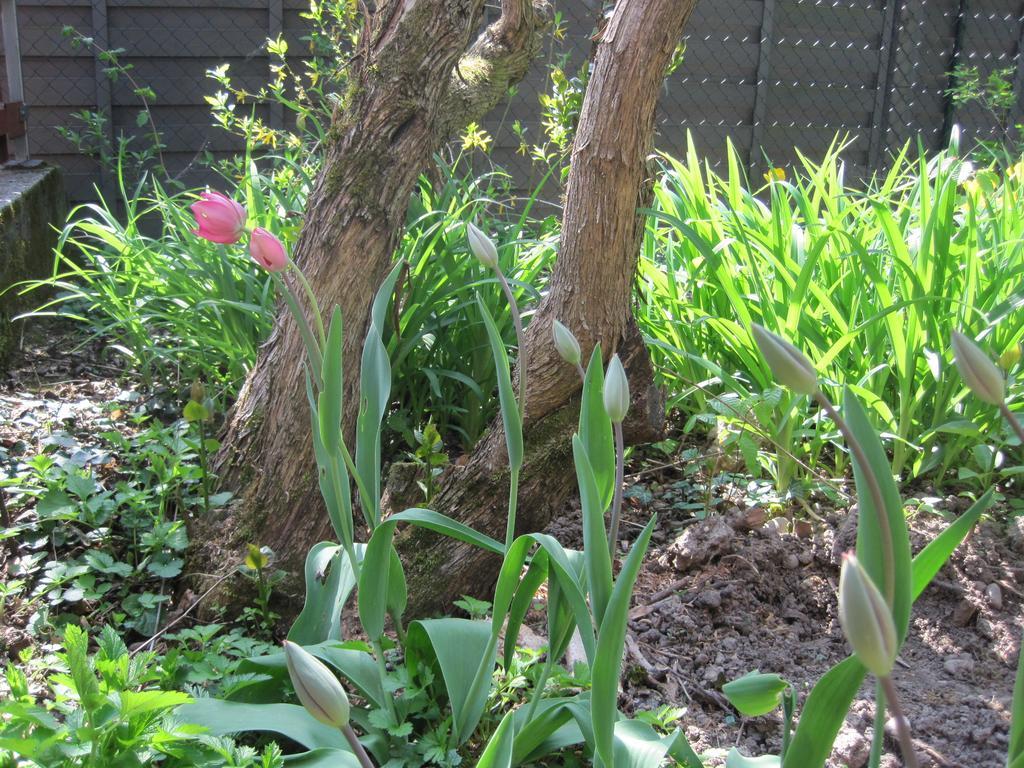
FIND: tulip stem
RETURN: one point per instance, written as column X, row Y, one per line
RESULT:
column 382, row 669
column 1012, row 421
column 581, row 372
column 517, row 320
column 314, row 306
column 902, row 724
column 312, row 350
column 357, row 747
column 620, row 470
column 513, row 498
column 875, row 490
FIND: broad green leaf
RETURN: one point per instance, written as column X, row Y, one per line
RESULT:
column 460, row 648
column 737, row 760
column 356, row 665
column 330, row 399
column 520, row 605
column 498, row 752
column 323, row 758
column 755, row 694
column 332, row 477
column 435, row 521
column 679, row 749
column 291, row 720
column 638, row 746
column 598, row 562
column 329, row 582
column 823, row 715
column 1015, row 755
column 869, row 533
column 596, row 429
column 930, row 560
column 374, row 578
column 608, row 656
column 374, row 395
column 555, row 726
column 398, row 591
column 135, row 703
column 506, row 394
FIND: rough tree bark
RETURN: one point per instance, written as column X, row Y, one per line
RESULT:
column 590, row 292
column 415, row 82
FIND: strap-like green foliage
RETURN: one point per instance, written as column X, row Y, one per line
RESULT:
column 329, row 401
column 498, row 753
column 869, row 534
column 332, row 474
column 598, row 562
column 352, row 660
column 456, row 645
column 825, row 709
column 374, row 394
column 608, row 658
column 506, row 394
column 329, row 581
column 596, row 429
column 291, row 720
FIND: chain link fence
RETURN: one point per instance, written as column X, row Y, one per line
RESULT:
column 774, row 77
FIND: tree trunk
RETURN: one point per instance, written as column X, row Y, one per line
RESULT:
column 413, row 86
column 590, row 293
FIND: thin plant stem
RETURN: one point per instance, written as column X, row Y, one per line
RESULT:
column 875, row 490
column 878, row 732
column 382, row 670
column 581, row 372
column 517, row 320
column 620, row 469
column 314, row 306
column 513, row 497
column 312, row 349
column 1012, row 421
column 538, row 691
column 902, row 724
column 203, row 461
column 353, row 741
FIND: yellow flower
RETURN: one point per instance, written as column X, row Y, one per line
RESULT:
column 775, row 174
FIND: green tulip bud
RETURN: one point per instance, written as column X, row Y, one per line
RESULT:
column 788, row 364
column 482, row 246
column 316, row 686
column 979, row 373
column 866, row 619
column 755, row 694
column 565, row 343
column 616, row 391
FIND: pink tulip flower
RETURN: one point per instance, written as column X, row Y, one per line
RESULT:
column 267, row 250
column 219, row 218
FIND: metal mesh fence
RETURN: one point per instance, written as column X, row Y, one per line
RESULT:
column 774, row 77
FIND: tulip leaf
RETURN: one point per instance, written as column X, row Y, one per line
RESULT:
column 322, row 758
column 553, row 727
column 930, row 560
column 435, row 521
column 823, row 714
column 374, row 579
column 534, row 577
column 595, row 429
column 291, row 720
column 869, row 532
column 737, row 760
column 755, row 694
column 597, row 559
column 459, row 647
column 498, row 752
column 332, row 477
column 374, row 394
column 608, row 656
column 329, row 400
column 506, row 394
column 329, row 582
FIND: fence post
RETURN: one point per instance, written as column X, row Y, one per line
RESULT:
column 104, row 97
column 18, row 145
column 275, row 28
column 883, row 84
column 949, row 113
column 1018, row 79
column 761, row 94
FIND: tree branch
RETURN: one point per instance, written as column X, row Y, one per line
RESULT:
column 498, row 59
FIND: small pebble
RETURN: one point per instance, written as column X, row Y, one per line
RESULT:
column 790, row 561
column 985, row 628
column 959, row 665
column 994, row 596
column 963, row 613
column 852, row 748
column 710, row 598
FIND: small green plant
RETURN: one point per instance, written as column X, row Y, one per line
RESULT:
column 995, row 94
column 430, row 459
column 257, row 566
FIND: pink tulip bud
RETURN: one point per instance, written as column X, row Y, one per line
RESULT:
column 267, row 250
column 219, row 218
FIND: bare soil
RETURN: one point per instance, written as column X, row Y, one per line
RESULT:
column 733, row 593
